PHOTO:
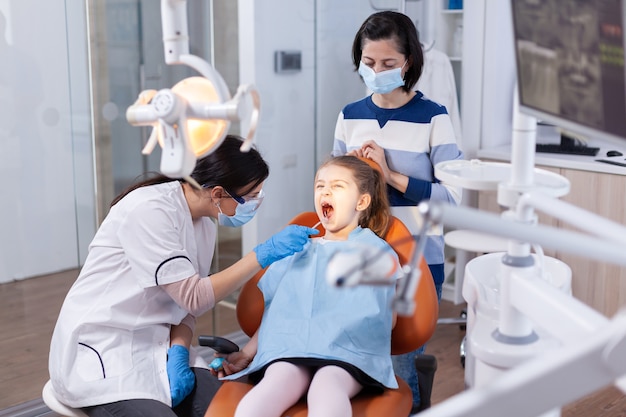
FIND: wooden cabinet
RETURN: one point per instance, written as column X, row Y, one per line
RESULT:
column 600, row 285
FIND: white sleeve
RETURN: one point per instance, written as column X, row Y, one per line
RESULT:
column 151, row 237
column 339, row 143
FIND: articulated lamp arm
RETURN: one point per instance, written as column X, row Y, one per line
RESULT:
column 191, row 119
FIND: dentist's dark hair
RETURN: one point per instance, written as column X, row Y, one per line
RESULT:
column 236, row 171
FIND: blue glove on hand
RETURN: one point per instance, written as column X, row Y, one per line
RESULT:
column 284, row 243
column 182, row 379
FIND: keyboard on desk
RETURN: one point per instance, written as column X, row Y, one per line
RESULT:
column 612, row 162
column 576, row 150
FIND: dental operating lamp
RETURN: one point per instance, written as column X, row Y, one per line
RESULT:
column 191, row 119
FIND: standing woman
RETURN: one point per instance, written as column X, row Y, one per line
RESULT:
column 121, row 345
column 403, row 131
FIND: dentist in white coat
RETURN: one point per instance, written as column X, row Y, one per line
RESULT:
column 121, row 345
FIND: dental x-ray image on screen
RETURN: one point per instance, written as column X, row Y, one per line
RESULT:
column 570, row 64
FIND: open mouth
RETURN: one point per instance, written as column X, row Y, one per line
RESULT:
column 327, row 210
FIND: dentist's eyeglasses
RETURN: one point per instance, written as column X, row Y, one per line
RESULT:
column 255, row 200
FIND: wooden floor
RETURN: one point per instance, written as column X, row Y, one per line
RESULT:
column 29, row 309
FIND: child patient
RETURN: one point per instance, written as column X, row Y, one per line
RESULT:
column 315, row 339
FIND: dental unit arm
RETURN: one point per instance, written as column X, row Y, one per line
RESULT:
column 364, row 265
column 195, row 106
column 589, row 350
column 546, row 348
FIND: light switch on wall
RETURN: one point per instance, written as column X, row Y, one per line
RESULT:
column 287, row 61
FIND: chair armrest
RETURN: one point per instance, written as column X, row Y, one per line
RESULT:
column 218, row 344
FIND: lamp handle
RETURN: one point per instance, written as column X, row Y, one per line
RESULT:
column 244, row 91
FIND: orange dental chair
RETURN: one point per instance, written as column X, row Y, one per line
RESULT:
column 409, row 333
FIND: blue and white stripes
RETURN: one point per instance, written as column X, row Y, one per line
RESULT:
column 415, row 137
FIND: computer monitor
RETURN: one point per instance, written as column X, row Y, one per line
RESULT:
column 570, row 64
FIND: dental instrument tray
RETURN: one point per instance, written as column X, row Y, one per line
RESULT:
column 486, row 175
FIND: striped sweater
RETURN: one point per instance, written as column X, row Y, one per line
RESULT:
column 415, row 137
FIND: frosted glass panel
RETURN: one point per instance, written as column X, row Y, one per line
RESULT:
column 127, row 56
column 39, row 142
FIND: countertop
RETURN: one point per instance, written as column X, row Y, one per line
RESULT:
column 579, row 162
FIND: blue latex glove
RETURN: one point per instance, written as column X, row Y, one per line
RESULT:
column 284, row 243
column 182, row 379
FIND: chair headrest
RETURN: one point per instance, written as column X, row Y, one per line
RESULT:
column 371, row 163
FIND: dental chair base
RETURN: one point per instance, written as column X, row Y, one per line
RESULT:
column 426, row 365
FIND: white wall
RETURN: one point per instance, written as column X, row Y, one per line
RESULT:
column 285, row 135
column 47, row 210
column 488, row 74
column 298, row 111
column 337, row 84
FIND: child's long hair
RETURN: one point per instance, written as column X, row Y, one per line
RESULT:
column 369, row 180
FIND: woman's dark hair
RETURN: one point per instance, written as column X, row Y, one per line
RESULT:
column 238, row 172
column 369, row 180
column 389, row 25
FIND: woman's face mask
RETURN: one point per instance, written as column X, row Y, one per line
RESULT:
column 245, row 211
column 381, row 82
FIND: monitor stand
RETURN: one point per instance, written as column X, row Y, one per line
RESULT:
column 568, row 146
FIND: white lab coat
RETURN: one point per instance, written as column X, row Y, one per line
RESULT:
column 111, row 339
column 437, row 83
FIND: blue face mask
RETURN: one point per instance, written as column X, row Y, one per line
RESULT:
column 243, row 213
column 381, row 82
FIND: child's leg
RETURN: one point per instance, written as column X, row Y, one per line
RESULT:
column 282, row 386
column 330, row 392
